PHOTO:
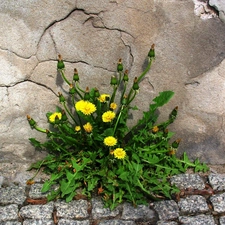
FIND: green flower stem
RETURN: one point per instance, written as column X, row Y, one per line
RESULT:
column 40, row 129
column 64, row 78
column 114, row 94
column 129, row 101
column 146, row 70
column 68, row 111
column 124, row 91
column 146, row 191
column 130, row 93
column 118, row 119
column 37, row 170
column 78, row 87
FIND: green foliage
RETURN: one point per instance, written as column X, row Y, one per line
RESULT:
column 91, row 149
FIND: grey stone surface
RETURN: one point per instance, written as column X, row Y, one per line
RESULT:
column 37, row 211
column 194, row 204
column 140, row 212
column 38, row 222
column 73, row 222
column 167, row 210
column 218, row 202
column 11, row 223
column 217, row 181
column 9, row 212
column 197, row 220
column 117, row 222
column 72, row 210
column 99, row 211
column 183, row 181
column 12, row 194
column 166, row 223
column 222, row 220
column 220, row 6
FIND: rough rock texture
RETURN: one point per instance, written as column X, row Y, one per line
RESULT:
column 92, row 36
column 220, row 6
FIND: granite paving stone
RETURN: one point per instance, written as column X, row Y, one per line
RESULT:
column 184, row 181
column 73, row 209
column 116, row 222
column 218, row 202
column 140, row 212
column 222, row 220
column 10, row 223
column 197, row 220
column 35, row 191
column 193, row 204
column 73, row 222
column 217, row 181
column 167, row 210
column 166, row 223
column 98, row 210
column 37, row 211
column 38, row 222
column 9, row 212
column 12, row 195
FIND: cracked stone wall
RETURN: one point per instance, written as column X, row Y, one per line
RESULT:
column 92, row 36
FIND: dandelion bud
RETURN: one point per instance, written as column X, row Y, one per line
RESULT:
column 173, row 114
column 113, row 80
column 64, row 116
column 135, row 84
column 72, row 89
column 125, row 76
column 97, row 94
column 31, row 122
column 124, row 100
column 165, row 133
column 61, row 97
column 87, row 94
column 120, row 66
column 176, row 143
column 151, row 53
column 60, row 64
column 76, row 76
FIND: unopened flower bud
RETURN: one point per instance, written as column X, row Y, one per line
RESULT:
column 31, row 121
column 125, row 76
column 61, row 97
column 113, row 80
column 120, row 66
column 124, row 100
column 72, row 89
column 60, row 64
column 151, row 53
column 76, row 76
column 135, row 84
column 173, row 114
column 97, row 94
column 64, row 116
column 165, row 133
column 176, row 143
column 87, row 94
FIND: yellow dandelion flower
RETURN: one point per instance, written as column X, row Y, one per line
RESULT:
column 86, row 107
column 110, row 141
column 108, row 116
column 113, row 105
column 77, row 128
column 119, row 153
column 88, row 127
column 53, row 116
column 103, row 97
column 155, row 129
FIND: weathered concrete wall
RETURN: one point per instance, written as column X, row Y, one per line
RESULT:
column 92, row 36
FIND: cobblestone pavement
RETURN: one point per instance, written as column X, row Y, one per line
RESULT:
column 200, row 202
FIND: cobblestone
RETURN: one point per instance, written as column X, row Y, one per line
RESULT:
column 187, row 209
